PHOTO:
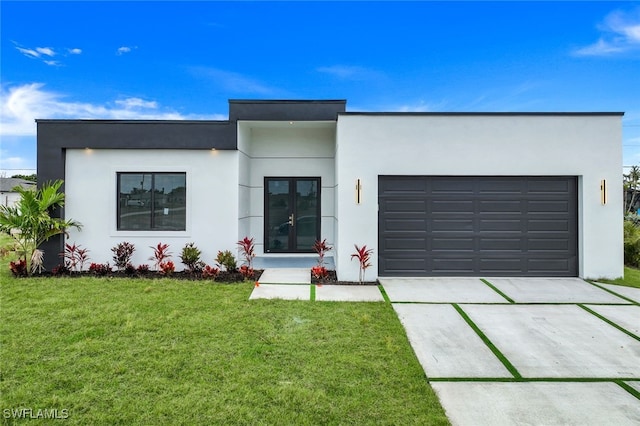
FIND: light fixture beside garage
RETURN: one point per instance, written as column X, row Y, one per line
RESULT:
column 358, row 191
column 603, row 192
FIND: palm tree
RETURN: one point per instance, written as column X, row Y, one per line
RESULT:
column 29, row 222
column 631, row 184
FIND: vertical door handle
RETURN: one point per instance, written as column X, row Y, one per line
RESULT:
column 291, row 222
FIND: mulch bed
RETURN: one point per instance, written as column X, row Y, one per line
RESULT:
column 332, row 279
column 222, row 277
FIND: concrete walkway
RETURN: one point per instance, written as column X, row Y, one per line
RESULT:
column 295, row 284
column 535, row 351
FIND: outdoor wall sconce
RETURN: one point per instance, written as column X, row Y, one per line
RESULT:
column 603, row 192
column 358, row 191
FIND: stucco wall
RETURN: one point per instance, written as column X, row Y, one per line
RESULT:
column 212, row 200
column 284, row 150
column 587, row 146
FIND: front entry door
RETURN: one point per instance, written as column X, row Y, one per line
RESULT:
column 292, row 214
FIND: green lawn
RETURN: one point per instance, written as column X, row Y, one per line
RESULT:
column 121, row 351
column 631, row 278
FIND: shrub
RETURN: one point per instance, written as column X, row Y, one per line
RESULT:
column 319, row 272
column 246, row 272
column 210, row 272
column 167, row 268
column 160, row 254
column 75, row 256
column 247, row 251
column 227, row 260
column 130, row 269
column 19, row 268
column 143, row 269
column 61, row 270
column 122, row 254
column 100, row 269
column 190, row 256
column 321, row 248
column 631, row 243
column 364, row 257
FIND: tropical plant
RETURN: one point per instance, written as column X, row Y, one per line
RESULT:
column 321, row 248
column 226, row 260
column 142, row 269
column 29, row 222
column 18, row 268
column 160, row 254
column 246, row 272
column 247, row 251
column 364, row 258
column 190, row 257
column 319, row 272
column 99, row 268
column 631, row 243
column 122, row 254
column 129, row 269
column 631, row 185
column 210, row 272
column 167, row 268
column 37, row 260
column 75, row 256
column 60, row 270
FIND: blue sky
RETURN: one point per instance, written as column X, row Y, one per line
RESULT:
column 166, row 60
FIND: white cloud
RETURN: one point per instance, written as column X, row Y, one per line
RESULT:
column 21, row 105
column 235, row 82
column 420, row 106
column 350, row 72
column 123, row 49
column 46, row 51
column 131, row 103
column 37, row 52
column 620, row 33
column 28, row 52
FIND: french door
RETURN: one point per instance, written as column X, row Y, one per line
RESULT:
column 292, row 214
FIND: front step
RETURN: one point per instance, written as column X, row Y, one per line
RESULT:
column 286, row 276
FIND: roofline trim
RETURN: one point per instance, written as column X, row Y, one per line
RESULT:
column 288, row 101
column 127, row 121
column 498, row 114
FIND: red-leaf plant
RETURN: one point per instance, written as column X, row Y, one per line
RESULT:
column 75, row 256
column 210, row 272
column 247, row 251
column 246, row 272
column 319, row 272
column 321, row 247
column 160, row 254
column 167, row 268
column 364, row 256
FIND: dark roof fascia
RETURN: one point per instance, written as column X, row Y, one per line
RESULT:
column 136, row 134
column 116, row 121
column 285, row 110
column 287, row 101
column 498, row 114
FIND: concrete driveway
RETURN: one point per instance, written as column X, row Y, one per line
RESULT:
column 530, row 351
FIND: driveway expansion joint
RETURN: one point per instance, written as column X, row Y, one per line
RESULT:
column 503, row 359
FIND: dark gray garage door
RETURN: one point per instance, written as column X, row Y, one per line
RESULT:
column 484, row 226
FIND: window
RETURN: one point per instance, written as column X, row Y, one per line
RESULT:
column 152, row 201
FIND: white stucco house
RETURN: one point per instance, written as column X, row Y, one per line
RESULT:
column 433, row 194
